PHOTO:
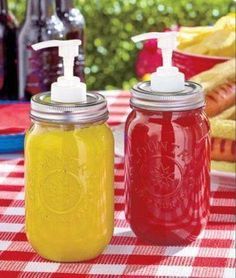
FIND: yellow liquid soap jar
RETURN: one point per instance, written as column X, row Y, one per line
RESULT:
column 69, row 163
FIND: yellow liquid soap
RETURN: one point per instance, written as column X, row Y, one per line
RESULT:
column 69, row 190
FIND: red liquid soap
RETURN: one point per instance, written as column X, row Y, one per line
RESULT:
column 167, row 174
column 8, row 54
column 167, row 154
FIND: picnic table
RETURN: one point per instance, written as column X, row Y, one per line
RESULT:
column 211, row 255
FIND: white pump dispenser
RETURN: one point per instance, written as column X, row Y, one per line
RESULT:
column 68, row 88
column 166, row 78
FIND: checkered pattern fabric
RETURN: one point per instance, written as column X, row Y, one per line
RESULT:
column 212, row 255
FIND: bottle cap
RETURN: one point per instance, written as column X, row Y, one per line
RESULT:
column 166, row 78
column 68, row 88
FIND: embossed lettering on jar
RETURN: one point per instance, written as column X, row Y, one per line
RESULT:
column 167, row 158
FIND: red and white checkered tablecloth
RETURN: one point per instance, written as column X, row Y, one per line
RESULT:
column 212, row 255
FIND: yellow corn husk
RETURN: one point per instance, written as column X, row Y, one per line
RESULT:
column 217, row 40
column 192, row 35
column 216, row 76
column 223, row 166
column 221, row 43
column 221, row 128
column 229, row 114
column 226, row 22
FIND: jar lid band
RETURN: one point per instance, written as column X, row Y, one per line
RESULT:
column 94, row 109
column 192, row 97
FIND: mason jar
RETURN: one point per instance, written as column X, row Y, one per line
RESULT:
column 69, row 160
column 167, row 164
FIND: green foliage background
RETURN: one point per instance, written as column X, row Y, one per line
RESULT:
column 110, row 24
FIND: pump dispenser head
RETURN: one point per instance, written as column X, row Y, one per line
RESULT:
column 68, row 88
column 166, row 78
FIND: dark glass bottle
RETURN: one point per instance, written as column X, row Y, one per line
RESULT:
column 8, row 54
column 37, row 70
column 74, row 24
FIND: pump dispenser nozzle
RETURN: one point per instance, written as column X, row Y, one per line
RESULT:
column 68, row 88
column 166, row 78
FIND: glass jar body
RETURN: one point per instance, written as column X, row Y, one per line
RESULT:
column 69, row 190
column 167, row 181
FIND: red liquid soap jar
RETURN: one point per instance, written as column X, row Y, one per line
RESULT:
column 167, row 154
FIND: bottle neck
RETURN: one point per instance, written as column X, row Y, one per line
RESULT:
column 64, row 5
column 3, row 7
column 40, row 9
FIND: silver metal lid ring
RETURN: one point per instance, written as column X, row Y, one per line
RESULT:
column 93, row 110
column 191, row 97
